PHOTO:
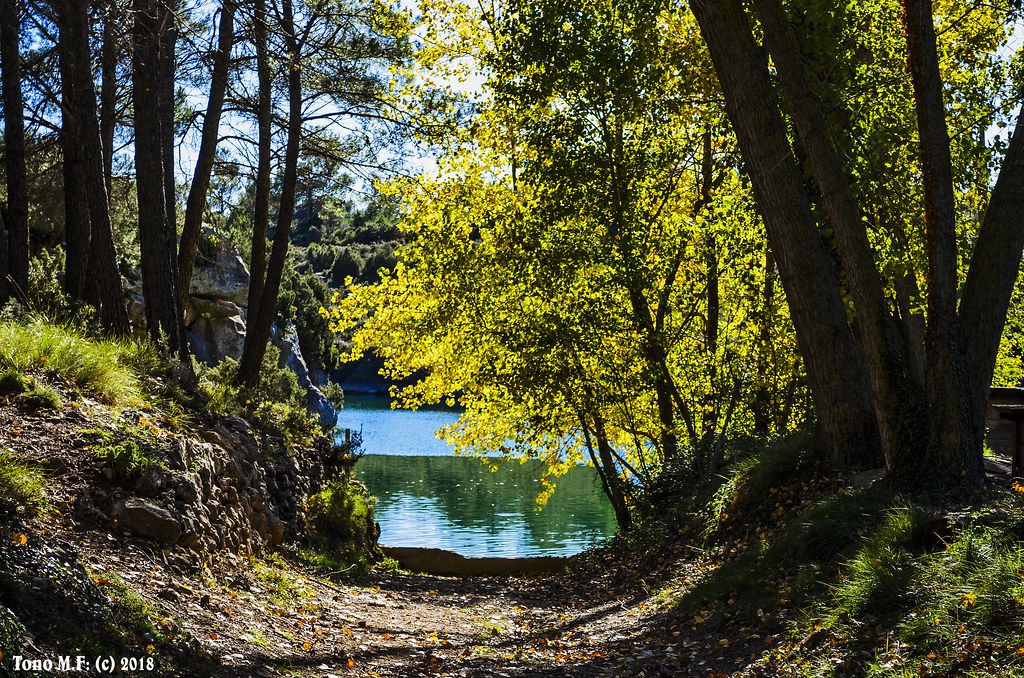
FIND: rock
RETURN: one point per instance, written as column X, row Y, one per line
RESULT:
column 146, row 519
column 291, row 357
column 214, row 338
column 185, row 490
column 169, row 595
column 214, row 308
column 215, row 314
column 219, row 272
column 275, row 530
column 449, row 563
column 866, row 478
column 151, row 482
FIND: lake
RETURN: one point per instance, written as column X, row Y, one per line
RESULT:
column 428, row 497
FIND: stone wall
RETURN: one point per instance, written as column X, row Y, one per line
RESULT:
column 232, row 488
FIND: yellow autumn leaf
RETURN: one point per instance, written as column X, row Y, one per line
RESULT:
column 19, row 538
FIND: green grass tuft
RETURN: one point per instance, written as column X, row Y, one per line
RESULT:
column 21, row 484
column 106, row 369
column 41, row 397
column 128, row 458
column 13, row 381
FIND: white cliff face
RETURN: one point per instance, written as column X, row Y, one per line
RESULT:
column 215, row 317
column 219, row 271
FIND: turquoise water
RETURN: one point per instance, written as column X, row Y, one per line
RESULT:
column 399, row 432
column 427, row 497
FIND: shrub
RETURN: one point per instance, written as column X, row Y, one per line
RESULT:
column 46, row 296
column 335, row 393
column 348, row 264
column 339, row 520
column 279, row 402
column 128, row 458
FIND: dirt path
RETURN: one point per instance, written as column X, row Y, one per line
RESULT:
column 271, row 618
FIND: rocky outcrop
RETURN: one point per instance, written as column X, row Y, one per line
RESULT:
column 216, row 312
column 232, row 489
column 219, row 271
column 291, row 357
column 215, row 317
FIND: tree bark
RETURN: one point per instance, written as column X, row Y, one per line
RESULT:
column 899, row 400
column 835, row 368
column 103, row 276
column 153, row 99
column 77, row 231
column 604, row 462
column 986, row 294
column 260, row 318
column 15, row 283
column 196, row 205
column 108, row 90
column 946, row 458
column 261, row 207
column 761, row 398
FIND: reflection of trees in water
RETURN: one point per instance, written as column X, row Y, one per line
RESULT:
column 471, row 496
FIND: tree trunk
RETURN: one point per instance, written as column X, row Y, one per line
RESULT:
column 260, row 318
column 3, row 244
column 15, row 283
column 835, row 369
column 103, row 276
column 108, row 90
column 606, row 471
column 946, row 458
column 987, row 291
column 196, row 205
column 712, row 397
column 761, row 399
column 261, row 211
column 899, row 400
column 153, row 97
column 77, row 231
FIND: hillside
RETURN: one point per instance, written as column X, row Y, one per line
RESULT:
column 186, row 543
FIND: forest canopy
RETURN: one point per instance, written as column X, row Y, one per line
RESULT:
column 641, row 237
column 614, row 261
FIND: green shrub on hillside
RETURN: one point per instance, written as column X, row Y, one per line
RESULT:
column 279, row 402
column 46, row 296
column 339, row 521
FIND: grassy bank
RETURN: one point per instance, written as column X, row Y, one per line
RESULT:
column 830, row 579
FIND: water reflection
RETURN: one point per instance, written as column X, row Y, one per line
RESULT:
column 456, row 503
